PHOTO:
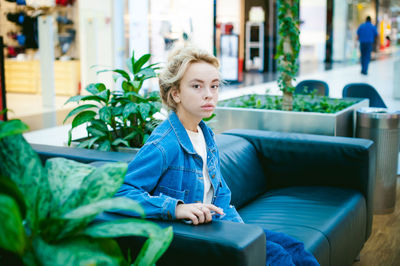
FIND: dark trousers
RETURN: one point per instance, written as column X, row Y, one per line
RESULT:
column 366, row 49
column 283, row 250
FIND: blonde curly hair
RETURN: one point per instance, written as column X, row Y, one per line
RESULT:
column 178, row 62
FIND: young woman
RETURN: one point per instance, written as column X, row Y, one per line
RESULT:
column 176, row 174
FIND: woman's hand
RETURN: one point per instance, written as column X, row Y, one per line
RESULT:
column 198, row 213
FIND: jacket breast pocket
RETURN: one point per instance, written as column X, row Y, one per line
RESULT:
column 176, row 194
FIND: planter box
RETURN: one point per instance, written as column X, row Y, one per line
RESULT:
column 341, row 123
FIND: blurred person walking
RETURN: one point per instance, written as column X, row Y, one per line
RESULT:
column 366, row 34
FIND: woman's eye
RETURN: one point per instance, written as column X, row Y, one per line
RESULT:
column 196, row 86
column 215, row 86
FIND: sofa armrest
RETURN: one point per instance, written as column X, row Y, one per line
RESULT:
column 80, row 155
column 293, row 159
column 216, row 243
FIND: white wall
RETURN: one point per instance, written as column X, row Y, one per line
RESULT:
column 339, row 29
column 139, row 27
column 96, row 40
column 312, row 30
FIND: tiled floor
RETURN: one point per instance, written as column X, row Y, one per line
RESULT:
column 384, row 75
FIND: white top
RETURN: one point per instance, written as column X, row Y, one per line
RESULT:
column 199, row 145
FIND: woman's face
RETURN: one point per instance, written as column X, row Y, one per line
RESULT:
column 198, row 92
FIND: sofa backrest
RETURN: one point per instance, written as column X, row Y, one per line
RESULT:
column 241, row 169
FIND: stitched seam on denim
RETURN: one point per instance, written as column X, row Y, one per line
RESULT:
column 161, row 137
column 177, row 136
column 161, row 149
column 182, row 168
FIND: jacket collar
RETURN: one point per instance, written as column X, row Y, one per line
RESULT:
column 183, row 137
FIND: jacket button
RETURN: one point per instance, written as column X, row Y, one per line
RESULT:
column 213, row 176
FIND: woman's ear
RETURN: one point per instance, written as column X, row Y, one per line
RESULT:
column 175, row 95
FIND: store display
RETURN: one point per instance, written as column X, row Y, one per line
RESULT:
column 254, row 46
column 19, row 27
column 40, row 3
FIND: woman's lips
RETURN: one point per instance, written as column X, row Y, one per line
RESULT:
column 208, row 107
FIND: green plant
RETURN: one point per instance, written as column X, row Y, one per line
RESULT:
column 301, row 103
column 120, row 117
column 288, row 49
column 46, row 212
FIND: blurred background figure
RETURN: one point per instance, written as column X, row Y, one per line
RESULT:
column 366, row 34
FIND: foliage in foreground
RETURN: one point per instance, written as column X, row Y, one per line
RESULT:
column 46, row 212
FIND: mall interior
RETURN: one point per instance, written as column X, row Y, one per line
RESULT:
column 51, row 50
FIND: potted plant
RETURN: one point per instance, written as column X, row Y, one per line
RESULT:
column 294, row 113
column 117, row 118
column 47, row 211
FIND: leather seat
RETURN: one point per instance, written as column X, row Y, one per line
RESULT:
column 330, row 216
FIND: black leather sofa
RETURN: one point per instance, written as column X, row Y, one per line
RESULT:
column 318, row 189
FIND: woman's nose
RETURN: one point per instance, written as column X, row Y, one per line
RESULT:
column 207, row 93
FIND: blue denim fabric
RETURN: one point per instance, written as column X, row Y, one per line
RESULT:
column 167, row 170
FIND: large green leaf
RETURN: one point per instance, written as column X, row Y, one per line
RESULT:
column 99, row 124
column 95, row 88
column 88, row 143
column 105, row 95
column 79, row 251
column 129, row 109
column 23, row 166
column 131, row 62
column 158, row 242
column 153, row 96
column 75, row 98
column 7, row 187
column 119, row 141
column 127, row 86
column 105, row 114
column 96, row 98
column 154, row 247
column 83, row 117
column 123, row 227
column 93, row 131
column 65, row 179
column 91, row 88
column 121, row 72
column 140, row 62
column 71, row 223
column 12, row 127
column 120, row 203
column 105, row 145
column 102, row 183
column 12, row 234
column 100, row 87
column 144, row 109
column 79, row 109
column 147, row 73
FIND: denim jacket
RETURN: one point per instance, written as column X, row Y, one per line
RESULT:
column 167, row 170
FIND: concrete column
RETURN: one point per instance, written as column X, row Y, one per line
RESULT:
column 46, row 48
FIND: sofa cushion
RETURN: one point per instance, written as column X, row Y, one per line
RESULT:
column 241, row 169
column 317, row 216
